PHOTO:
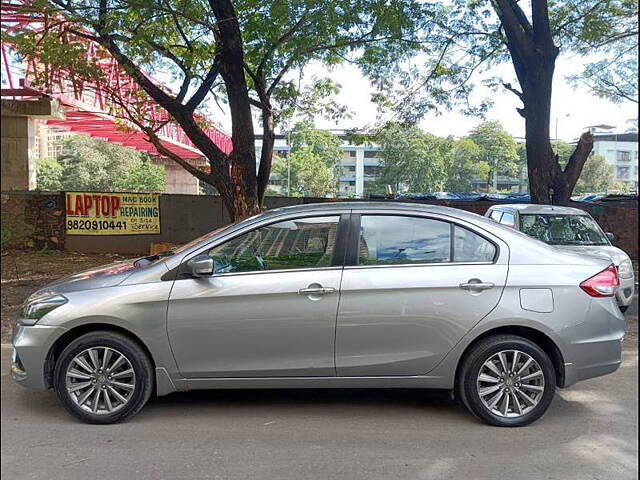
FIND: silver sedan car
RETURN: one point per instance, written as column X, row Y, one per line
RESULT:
column 329, row 295
column 571, row 229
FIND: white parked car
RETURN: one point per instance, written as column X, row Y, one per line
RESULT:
column 569, row 229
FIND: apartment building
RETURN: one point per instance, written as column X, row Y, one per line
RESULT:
column 358, row 165
column 619, row 150
column 48, row 140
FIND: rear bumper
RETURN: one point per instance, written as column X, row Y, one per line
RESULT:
column 30, row 348
column 624, row 295
column 594, row 347
column 610, row 358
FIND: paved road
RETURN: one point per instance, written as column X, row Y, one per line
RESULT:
column 590, row 432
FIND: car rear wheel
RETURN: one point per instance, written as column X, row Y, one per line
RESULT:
column 507, row 381
column 103, row 377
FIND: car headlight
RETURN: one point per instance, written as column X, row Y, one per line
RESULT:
column 37, row 308
column 625, row 269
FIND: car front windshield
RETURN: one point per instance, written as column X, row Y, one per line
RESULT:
column 151, row 259
column 563, row 229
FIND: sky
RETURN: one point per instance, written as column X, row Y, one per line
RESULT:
column 572, row 108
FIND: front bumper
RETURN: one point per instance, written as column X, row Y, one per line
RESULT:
column 625, row 292
column 31, row 345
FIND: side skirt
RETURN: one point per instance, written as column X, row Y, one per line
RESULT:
column 320, row 382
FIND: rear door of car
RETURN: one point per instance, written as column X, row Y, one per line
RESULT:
column 412, row 286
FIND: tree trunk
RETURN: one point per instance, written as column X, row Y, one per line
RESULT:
column 242, row 199
column 548, row 182
column 533, row 54
column 266, row 156
column 541, row 161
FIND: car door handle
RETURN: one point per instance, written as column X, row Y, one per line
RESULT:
column 476, row 285
column 316, row 290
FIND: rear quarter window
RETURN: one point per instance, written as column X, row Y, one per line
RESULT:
column 508, row 219
column 495, row 215
column 471, row 247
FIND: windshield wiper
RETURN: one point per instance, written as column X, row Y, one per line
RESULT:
column 156, row 256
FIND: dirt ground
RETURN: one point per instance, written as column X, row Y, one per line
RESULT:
column 23, row 272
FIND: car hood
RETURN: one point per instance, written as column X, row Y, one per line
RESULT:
column 99, row 277
column 613, row 253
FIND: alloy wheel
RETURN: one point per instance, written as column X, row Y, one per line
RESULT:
column 100, row 380
column 510, row 383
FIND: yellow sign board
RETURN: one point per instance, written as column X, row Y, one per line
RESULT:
column 90, row 213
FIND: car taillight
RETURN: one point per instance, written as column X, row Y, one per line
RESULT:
column 603, row 284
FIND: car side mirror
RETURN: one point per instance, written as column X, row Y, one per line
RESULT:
column 200, row 266
column 610, row 236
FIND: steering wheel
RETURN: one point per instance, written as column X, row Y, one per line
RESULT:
column 263, row 264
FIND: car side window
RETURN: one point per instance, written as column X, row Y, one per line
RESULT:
column 292, row 244
column 508, row 219
column 495, row 215
column 389, row 240
column 471, row 247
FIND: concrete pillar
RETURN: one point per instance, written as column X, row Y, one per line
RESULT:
column 18, row 147
column 178, row 180
column 360, row 172
column 18, row 153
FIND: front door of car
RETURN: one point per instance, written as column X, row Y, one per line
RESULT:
column 270, row 308
column 411, row 288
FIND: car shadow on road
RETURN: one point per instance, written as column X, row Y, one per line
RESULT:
column 332, row 404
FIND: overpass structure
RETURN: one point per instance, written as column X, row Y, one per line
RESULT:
column 64, row 100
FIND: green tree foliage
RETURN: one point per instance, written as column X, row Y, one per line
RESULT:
column 413, row 160
column 49, row 174
column 91, row 164
column 497, row 148
column 421, row 162
column 248, row 54
column 472, row 37
column 610, row 40
column 143, row 176
column 597, row 176
column 312, row 163
column 463, row 163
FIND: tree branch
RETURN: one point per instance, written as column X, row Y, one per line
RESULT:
column 515, row 91
column 518, row 39
column 165, row 100
column 256, row 103
column 180, row 30
column 582, row 15
column 283, row 38
column 541, row 28
column 196, row 172
column 204, row 88
column 578, row 158
column 522, row 18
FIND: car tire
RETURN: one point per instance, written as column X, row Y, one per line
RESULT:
column 96, row 385
column 501, row 394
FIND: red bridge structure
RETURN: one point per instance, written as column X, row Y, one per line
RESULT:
column 67, row 101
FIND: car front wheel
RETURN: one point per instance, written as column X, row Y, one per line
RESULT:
column 507, row 381
column 103, row 377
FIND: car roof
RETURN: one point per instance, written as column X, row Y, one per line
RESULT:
column 533, row 208
column 367, row 205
